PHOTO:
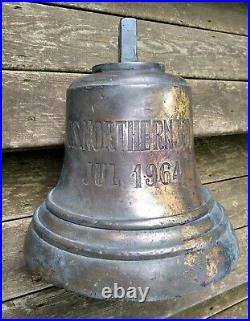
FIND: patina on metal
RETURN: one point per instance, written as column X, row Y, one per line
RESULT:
column 129, row 207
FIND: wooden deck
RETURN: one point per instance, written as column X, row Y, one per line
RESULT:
column 45, row 47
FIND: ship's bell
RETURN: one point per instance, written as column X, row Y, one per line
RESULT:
column 129, row 207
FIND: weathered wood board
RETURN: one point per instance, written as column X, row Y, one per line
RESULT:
column 34, row 107
column 215, row 304
column 28, row 176
column 39, row 37
column 237, row 311
column 54, row 303
column 226, row 17
column 16, row 279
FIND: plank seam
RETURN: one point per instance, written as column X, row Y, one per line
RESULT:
column 240, row 227
column 16, row 218
column 240, row 301
column 50, row 286
column 64, row 71
column 210, row 298
column 226, row 179
column 138, row 18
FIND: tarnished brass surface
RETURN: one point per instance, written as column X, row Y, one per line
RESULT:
column 129, row 207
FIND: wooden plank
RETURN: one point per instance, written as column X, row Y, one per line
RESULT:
column 38, row 37
column 215, row 304
column 232, row 195
column 237, row 311
column 28, row 176
column 227, row 17
column 16, row 281
column 55, row 303
column 220, row 158
column 34, row 108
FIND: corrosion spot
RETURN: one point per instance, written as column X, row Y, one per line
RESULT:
column 213, row 259
column 190, row 259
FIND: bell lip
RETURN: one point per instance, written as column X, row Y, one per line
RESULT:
column 65, row 269
column 55, row 231
column 147, row 66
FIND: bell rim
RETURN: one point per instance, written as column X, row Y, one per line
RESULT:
column 143, row 244
column 88, row 276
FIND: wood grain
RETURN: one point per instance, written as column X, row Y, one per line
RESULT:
column 38, row 37
column 55, row 303
column 215, row 304
column 227, row 17
column 16, row 279
column 237, row 311
column 34, row 108
column 232, row 195
column 28, row 176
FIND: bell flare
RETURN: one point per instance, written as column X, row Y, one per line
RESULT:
column 172, row 260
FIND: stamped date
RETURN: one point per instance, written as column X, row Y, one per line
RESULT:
column 152, row 174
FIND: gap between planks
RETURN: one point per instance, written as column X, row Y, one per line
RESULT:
column 79, row 72
column 232, row 309
column 225, row 179
column 215, row 304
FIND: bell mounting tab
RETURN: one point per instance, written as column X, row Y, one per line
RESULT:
column 128, row 40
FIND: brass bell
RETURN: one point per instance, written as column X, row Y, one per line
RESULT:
column 129, row 207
